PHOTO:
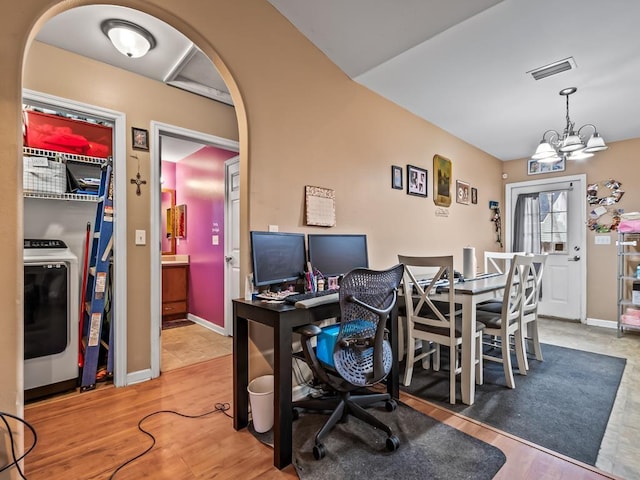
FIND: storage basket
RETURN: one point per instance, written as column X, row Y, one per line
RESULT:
column 61, row 134
column 43, row 175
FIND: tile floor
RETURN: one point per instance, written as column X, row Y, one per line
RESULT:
column 191, row 344
column 620, row 450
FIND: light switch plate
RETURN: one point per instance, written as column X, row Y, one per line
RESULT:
column 215, row 240
column 141, row 237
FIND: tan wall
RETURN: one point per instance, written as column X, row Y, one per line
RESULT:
column 301, row 121
column 619, row 162
column 85, row 80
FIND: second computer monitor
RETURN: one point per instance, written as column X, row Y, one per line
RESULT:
column 337, row 254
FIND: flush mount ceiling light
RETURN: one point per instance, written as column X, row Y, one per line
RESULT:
column 129, row 39
column 571, row 144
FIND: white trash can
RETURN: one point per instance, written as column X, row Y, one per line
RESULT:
column 261, row 399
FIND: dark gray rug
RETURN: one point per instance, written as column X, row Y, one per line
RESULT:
column 563, row 404
column 428, row 449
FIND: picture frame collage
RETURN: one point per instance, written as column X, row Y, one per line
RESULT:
column 417, row 181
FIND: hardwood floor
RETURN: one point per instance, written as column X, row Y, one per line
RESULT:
column 88, row 436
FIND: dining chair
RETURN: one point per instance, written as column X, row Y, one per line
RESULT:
column 498, row 261
column 435, row 323
column 507, row 323
column 528, row 334
column 529, row 330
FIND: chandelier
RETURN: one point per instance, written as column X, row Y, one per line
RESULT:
column 571, row 145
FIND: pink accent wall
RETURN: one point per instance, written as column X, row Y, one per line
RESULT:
column 199, row 184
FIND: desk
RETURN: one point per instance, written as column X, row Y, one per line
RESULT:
column 469, row 294
column 283, row 318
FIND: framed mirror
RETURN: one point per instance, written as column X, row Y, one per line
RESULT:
column 167, row 207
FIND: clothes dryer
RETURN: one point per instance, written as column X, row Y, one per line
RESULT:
column 51, row 294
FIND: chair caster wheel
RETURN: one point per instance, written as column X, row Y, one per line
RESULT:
column 390, row 405
column 393, row 443
column 319, row 451
column 295, row 414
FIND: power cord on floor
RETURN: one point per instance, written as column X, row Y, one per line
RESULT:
column 219, row 407
column 16, row 461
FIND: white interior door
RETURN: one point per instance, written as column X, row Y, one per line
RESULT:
column 232, row 240
column 563, row 235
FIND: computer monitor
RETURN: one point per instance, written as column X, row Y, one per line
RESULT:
column 335, row 255
column 277, row 257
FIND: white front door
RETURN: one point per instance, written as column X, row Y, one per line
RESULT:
column 232, row 240
column 563, row 236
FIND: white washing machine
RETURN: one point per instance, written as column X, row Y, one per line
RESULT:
column 51, row 292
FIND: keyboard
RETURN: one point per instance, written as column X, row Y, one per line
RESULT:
column 300, row 297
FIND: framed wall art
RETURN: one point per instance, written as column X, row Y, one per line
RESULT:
column 396, row 177
column 441, row 181
column 320, row 206
column 463, row 192
column 416, row 181
column 139, row 138
column 535, row 167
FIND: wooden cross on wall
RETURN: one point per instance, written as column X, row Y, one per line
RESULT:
column 137, row 181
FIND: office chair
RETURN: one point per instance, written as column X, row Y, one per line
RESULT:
column 361, row 356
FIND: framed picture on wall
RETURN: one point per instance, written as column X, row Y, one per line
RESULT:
column 416, row 181
column 139, row 138
column 534, row 167
column 396, row 177
column 441, row 181
column 463, row 192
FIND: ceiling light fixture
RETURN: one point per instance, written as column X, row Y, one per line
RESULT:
column 129, row 39
column 571, row 144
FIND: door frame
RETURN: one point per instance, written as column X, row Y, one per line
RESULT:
column 157, row 129
column 228, row 221
column 119, row 120
column 580, row 181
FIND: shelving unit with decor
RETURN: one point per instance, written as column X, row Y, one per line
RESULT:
column 628, row 282
column 31, row 189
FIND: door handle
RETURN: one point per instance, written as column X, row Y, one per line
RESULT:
column 228, row 259
column 574, row 259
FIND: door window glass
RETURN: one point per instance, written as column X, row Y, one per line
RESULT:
column 553, row 221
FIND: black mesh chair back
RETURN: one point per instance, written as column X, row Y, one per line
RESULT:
column 362, row 354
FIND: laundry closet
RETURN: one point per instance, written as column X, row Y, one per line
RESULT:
column 66, row 161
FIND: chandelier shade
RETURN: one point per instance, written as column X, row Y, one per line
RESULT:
column 570, row 145
column 130, row 39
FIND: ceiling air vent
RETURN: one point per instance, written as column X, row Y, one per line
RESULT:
column 553, row 68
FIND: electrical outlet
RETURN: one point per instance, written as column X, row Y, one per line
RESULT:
column 602, row 240
column 273, row 228
column 141, row 237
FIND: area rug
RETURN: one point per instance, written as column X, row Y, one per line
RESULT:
column 563, row 404
column 179, row 322
column 428, row 449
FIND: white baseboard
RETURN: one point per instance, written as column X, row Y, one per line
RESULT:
column 206, row 324
column 139, row 376
column 596, row 322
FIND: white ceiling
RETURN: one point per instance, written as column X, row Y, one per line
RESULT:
column 460, row 64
